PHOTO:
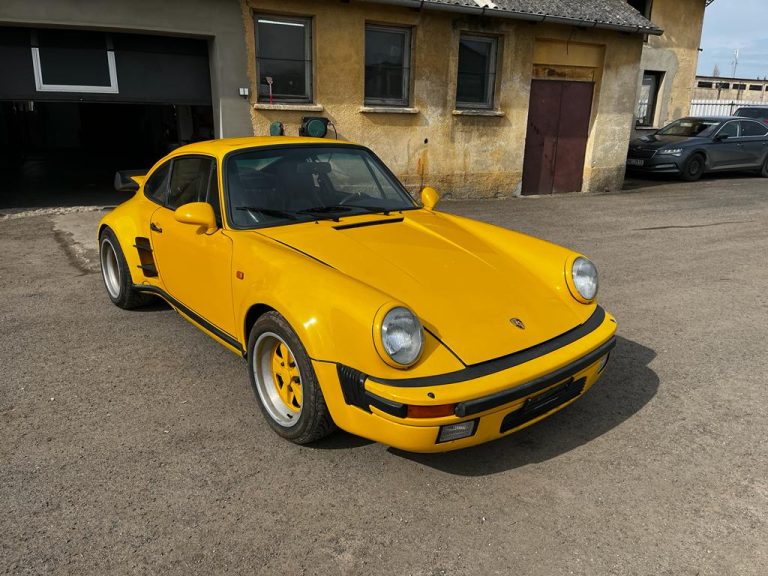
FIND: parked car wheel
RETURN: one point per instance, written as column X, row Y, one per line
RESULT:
column 285, row 382
column 693, row 168
column 115, row 273
column 764, row 169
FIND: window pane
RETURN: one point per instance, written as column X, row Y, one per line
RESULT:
column 189, row 181
column 731, row 130
column 646, row 105
column 753, row 129
column 73, row 58
column 282, row 50
column 386, row 64
column 156, row 187
column 476, row 74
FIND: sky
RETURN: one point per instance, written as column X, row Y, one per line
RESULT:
column 735, row 24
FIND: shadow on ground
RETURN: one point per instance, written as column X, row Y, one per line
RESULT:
column 627, row 386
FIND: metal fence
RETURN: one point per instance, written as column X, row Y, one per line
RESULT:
column 718, row 107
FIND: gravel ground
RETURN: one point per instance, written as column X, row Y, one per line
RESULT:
column 132, row 444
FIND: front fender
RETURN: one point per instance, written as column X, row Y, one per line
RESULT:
column 332, row 313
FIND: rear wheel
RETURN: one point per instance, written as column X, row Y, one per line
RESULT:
column 115, row 273
column 285, row 383
column 693, row 168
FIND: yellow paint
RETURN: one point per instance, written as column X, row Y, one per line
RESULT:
column 462, row 155
column 464, row 279
column 286, row 377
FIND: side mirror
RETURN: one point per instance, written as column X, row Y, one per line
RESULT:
column 721, row 137
column 429, row 197
column 197, row 213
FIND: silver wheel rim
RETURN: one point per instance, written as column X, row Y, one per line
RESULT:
column 110, row 269
column 267, row 385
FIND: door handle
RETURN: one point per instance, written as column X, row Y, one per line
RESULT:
column 155, row 228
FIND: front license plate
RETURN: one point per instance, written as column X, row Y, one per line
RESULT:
column 543, row 403
column 635, row 162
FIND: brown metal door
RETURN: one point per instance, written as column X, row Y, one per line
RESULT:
column 556, row 142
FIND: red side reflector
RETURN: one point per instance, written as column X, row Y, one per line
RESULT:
column 431, row 411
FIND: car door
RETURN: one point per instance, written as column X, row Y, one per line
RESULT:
column 754, row 141
column 195, row 265
column 726, row 150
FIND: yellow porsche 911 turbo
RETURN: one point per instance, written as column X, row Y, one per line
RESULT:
column 354, row 305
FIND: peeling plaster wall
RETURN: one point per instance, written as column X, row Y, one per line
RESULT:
column 676, row 53
column 462, row 155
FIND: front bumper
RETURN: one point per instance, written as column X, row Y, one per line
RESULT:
column 497, row 403
column 664, row 164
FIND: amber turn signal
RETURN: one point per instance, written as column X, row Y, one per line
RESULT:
column 431, row 411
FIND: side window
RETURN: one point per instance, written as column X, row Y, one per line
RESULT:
column 731, row 129
column 476, row 80
column 213, row 193
column 753, row 129
column 156, row 187
column 189, row 181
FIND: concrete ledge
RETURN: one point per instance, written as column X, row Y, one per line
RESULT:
column 387, row 110
column 478, row 112
column 289, row 107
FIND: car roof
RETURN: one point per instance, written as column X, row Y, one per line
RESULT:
column 222, row 146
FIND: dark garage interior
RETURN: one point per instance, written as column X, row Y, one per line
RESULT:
column 79, row 105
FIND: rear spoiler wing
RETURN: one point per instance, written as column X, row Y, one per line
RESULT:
column 129, row 180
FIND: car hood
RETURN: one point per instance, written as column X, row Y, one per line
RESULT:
column 464, row 289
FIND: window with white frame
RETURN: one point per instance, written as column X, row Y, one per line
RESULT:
column 387, row 65
column 73, row 61
column 476, row 80
column 283, row 59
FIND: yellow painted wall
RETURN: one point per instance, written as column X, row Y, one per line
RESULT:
column 459, row 154
column 676, row 53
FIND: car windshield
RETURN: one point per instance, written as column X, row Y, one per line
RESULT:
column 752, row 112
column 285, row 185
column 689, row 127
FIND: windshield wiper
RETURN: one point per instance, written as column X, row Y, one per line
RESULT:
column 336, row 208
column 269, row 212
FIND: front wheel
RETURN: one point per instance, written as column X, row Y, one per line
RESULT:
column 285, row 383
column 764, row 169
column 693, row 168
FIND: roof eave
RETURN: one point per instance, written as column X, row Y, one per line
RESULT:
column 512, row 15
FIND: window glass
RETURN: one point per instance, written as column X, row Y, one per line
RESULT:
column 753, row 129
column 156, row 187
column 387, row 58
column 477, row 72
column 284, row 59
column 299, row 184
column 649, row 94
column 690, row 127
column 752, row 112
column 731, row 129
column 189, row 181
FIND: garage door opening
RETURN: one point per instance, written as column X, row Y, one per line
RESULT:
column 76, row 105
column 66, row 153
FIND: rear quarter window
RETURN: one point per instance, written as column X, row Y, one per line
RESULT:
column 156, row 186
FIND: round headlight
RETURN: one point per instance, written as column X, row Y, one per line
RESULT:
column 584, row 278
column 402, row 336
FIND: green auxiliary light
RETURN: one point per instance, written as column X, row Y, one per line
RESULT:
column 276, row 129
column 314, row 126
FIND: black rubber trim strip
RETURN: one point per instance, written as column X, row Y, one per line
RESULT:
column 477, row 405
column 191, row 314
column 505, row 362
column 388, row 406
column 364, row 224
column 539, row 405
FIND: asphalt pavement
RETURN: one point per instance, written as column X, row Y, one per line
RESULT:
column 132, row 443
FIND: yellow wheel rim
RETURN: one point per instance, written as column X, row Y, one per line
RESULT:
column 285, row 376
column 278, row 379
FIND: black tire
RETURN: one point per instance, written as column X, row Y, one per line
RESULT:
column 302, row 422
column 115, row 274
column 693, row 168
column 764, row 169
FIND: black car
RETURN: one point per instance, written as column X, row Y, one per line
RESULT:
column 691, row 146
column 755, row 112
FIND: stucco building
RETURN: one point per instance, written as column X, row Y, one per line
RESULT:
column 669, row 61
